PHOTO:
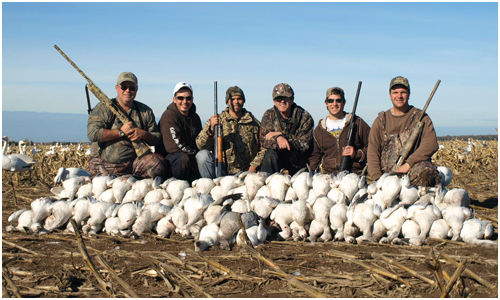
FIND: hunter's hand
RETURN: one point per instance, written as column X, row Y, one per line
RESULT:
column 283, row 143
column 137, row 134
column 214, row 120
column 404, row 168
column 348, row 151
column 272, row 134
column 128, row 129
column 252, row 169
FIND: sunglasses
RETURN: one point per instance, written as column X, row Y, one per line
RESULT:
column 130, row 87
column 279, row 99
column 334, row 100
column 188, row 98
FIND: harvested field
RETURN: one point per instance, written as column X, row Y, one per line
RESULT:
column 60, row 265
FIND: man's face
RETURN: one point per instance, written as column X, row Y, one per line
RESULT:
column 283, row 104
column 183, row 100
column 335, row 104
column 126, row 93
column 399, row 97
column 236, row 104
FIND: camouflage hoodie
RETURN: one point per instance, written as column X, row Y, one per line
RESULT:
column 298, row 130
column 241, row 141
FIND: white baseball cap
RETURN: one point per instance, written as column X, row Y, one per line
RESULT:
column 181, row 85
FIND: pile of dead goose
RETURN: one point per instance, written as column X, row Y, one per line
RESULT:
column 307, row 206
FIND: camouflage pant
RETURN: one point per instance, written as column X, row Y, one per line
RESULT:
column 148, row 166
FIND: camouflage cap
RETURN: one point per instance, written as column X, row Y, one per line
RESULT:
column 234, row 91
column 335, row 91
column 399, row 80
column 283, row 90
column 127, row 76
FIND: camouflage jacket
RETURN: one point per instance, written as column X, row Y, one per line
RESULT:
column 298, row 130
column 240, row 141
column 119, row 150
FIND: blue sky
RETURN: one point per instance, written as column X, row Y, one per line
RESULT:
column 311, row 46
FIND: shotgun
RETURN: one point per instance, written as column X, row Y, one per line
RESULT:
column 218, row 140
column 414, row 133
column 141, row 148
column 346, row 162
column 88, row 100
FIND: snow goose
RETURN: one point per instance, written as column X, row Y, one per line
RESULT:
column 278, row 185
column 411, row 233
column 175, row 188
column 321, row 213
column 209, row 236
column 424, row 215
column 203, row 185
column 257, row 234
column 148, row 215
column 457, row 197
column 475, row 230
column 121, row 185
column 60, row 213
column 97, row 212
column 349, row 185
column 392, row 219
column 321, row 184
column 264, row 191
column 264, row 206
column 445, row 175
column 67, row 173
column 127, row 213
column 301, row 214
column 338, row 217
column 100, row 183
column 228, row 182
column 440, row 230
column 391, row 187
column 408, row 194
column 301, row 183
column 455, row 216
column 24, row 222
column 253, row 182
column 282, row 215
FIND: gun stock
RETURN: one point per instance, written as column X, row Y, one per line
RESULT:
column 346, row 162
column 141, row 148
column 415, row 133
column 218, row 140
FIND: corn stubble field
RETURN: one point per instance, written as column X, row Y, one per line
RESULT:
column 64, row 265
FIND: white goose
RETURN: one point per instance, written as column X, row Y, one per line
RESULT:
column 67, row 173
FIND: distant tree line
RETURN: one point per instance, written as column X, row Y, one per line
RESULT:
column 486, row 137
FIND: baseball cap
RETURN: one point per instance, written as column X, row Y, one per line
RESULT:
column 181, row 85
column 127, row 76
column 282, row 90
column 399, row 80
column 335, row 90
column 234, row 91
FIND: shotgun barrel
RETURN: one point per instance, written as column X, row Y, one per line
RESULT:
column 346, row 162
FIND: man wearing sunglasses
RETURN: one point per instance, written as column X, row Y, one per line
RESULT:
column 330, row 137
column 390, row 131
column 286, row 132
column 179, row 126
column 112, row 149
column 240, row 132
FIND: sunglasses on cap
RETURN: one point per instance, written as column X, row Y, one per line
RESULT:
column 181, row 98
column 334, row 100
column 128, row 87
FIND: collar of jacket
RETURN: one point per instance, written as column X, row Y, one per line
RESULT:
column 348, row 117
column 191, row 112
column 246, row 116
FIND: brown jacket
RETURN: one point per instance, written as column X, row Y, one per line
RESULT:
column 399, row 126
column 328, row 149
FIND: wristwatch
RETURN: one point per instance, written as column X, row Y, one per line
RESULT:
column 121, row 133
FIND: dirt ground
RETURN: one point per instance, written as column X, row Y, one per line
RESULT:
column 54, row 266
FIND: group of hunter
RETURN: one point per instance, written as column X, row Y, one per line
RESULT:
column 284, row 139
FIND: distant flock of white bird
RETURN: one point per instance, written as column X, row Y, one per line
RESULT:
column 307, row 206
